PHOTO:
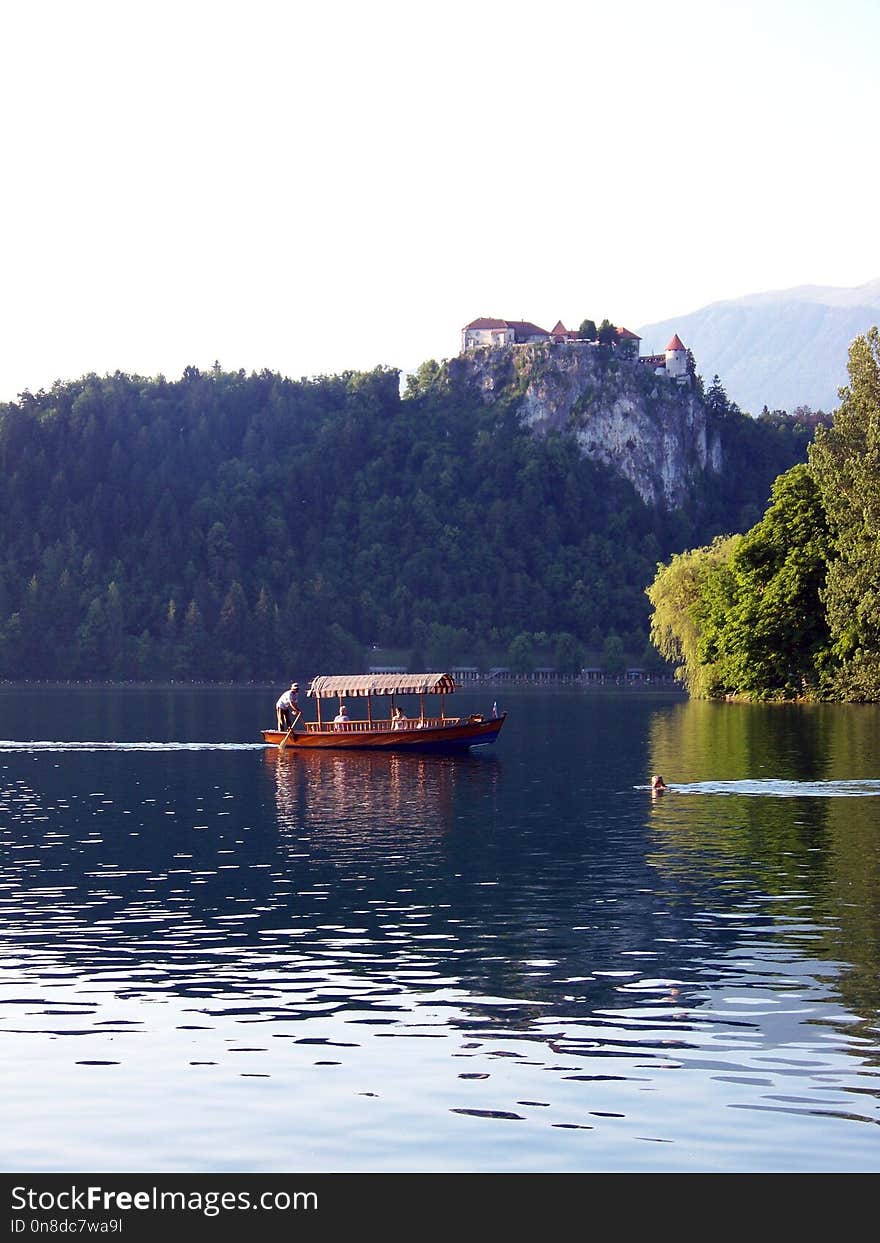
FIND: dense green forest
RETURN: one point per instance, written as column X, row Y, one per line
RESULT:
column 791, row 608
column 230, row 526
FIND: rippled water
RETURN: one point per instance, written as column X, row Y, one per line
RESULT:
column 218, row 957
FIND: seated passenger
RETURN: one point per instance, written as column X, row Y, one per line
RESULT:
column 341, row 718
column 397, row 718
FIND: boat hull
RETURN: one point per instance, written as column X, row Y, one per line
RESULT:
column 453, row 737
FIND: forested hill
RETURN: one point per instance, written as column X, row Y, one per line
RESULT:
column 232, row 526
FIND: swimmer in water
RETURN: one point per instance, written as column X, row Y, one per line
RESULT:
column 658, row 785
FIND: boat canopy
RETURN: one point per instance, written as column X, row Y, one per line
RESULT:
column 363, row 684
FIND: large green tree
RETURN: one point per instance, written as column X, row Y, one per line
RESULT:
column 845, row 462
column 791, row 608
column 762, row 626
column 744, row 616
column 607, row 333
column 588, row 330
column 676, row 620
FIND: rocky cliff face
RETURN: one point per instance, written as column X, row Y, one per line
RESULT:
column 654, row 432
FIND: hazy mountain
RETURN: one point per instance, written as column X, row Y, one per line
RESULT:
column 784, row 348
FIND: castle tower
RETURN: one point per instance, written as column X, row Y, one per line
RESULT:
column 676, row 359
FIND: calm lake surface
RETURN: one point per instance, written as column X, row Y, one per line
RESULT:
column 215, row 957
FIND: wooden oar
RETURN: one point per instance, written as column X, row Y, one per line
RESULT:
column 283, row 743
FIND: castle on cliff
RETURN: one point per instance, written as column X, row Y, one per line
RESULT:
column 497, row 333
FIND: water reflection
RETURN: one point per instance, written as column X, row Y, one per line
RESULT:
column 506, row 960
column 699, row 741
column 367, row 797
column 797, row 852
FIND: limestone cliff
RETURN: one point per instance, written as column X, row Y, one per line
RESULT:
column 654, row 432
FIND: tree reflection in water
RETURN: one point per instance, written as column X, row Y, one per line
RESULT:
column 807, row 864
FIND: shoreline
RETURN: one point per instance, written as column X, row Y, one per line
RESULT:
column 518, row 685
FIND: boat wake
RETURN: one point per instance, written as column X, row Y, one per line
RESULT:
column 772, row 787
column 8, row 745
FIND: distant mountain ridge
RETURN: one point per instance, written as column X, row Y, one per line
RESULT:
column 781, row 348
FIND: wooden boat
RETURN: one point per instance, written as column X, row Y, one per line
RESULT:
column 425, row 732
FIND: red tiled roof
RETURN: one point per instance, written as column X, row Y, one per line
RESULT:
column 523, row 325
column 626, row 335
column 675, row 344
column 518, row 325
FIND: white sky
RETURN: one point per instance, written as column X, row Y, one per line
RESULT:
column 315, row 187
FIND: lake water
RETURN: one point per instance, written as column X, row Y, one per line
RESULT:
column 215, row 957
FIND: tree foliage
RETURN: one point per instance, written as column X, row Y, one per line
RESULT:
column 675, row 596
column 607, row 333
column 792, row 608
column 762, row 629
column 845, row 462
column 229, row 526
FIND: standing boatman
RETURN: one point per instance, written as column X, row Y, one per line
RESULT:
column 286, row 707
